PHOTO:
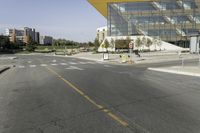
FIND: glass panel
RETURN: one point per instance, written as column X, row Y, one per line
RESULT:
column 169, row 19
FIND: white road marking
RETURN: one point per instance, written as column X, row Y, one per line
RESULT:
column 21, row 66
column 74, row 68
column 54, row 61
column 29, row 62
column 32, row 66
column 63, row 64
column 83, row 63
column 99, row 62
column 91, row 63
column 54, row 64
column 43, row 65
column 72, row 63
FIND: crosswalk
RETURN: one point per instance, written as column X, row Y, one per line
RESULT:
column 63, row 64
column 44, row 65
column 74, row 68
column 72, row 65
column 32, row 66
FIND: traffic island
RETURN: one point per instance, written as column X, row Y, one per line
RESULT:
column 186, row 70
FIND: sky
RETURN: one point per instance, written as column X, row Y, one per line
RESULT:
column 74, row 20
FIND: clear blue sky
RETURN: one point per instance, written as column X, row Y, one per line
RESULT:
column 71, row 19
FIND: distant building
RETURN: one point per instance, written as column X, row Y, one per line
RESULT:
column 22, row 35
column 37, row 37
column 101, row 33
column 46, row 40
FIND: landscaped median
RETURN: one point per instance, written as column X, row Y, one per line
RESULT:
column 186, row 70
column 4, row 68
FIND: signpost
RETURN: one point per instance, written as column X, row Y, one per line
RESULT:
column 131, row 46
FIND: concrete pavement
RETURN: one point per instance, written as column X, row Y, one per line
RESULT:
column 146, row 58
column 42, row 95
column 182, row 70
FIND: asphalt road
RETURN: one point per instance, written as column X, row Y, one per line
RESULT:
column 44, row 94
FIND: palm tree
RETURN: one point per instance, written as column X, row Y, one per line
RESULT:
column 159, row 43
column 96, row 44
column 112, row 43
column 106, row 45
column 138, row 43
column 155, row 42
column 149, row 43
column 144, row 42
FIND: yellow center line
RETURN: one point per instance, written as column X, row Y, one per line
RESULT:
column 79, row 91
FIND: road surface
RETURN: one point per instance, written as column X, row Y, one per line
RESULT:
column 44, row 94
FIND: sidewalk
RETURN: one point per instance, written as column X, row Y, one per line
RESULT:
column 187, row 70
column 154, row 57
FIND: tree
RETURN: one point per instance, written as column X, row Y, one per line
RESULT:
column 144, row 42
column 5, row 42
column 128, row 40
column 106, row 45
column 159, row 43
column 90, row 44
column 155, row 43
column 122, row 43
column 138, row 42
column 149, row 43
column 31, row 46
column 112, row 43
column 96, row 44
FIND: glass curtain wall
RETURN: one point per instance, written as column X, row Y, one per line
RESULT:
column 171, row 20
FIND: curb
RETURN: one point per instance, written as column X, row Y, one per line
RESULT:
column 174, row 72
column 163, row 61
column 4, row 69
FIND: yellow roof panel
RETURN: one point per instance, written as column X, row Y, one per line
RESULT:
column 101, row 5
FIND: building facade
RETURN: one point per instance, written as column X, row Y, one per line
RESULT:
column 171, row 20
column 22, row 35
column 102, row 33
column 46, row 40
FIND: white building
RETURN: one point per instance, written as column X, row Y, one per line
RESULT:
column 46, row 40
column 23, row 35
column 102, row 33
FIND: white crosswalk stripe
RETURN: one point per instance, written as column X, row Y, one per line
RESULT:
column 73, row 63
column 63, row 64
column 99, row 62
column 21, row 66
column 55, row 63
column 43, row 65
column 91, row 63
column 83, row 63
column 32, row 66
column 74, row 68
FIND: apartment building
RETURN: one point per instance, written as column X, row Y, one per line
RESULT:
column 22, row 35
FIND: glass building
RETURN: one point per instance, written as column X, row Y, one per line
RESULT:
column 171, row 20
